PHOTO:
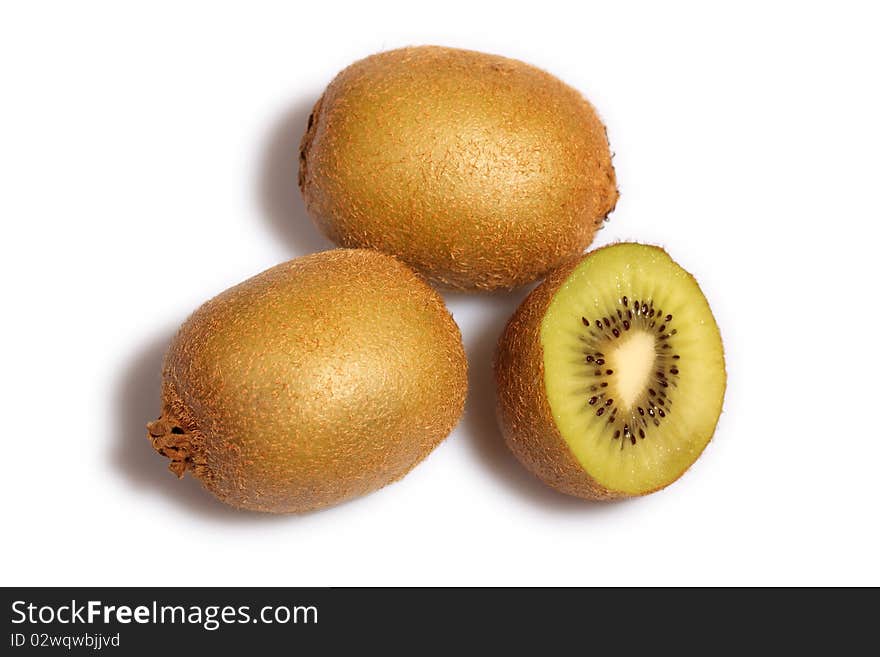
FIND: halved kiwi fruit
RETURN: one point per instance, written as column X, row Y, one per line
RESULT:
column 611, row 374
column 319, row 380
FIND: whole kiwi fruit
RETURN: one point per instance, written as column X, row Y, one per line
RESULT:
column 480, row 171
column 611, row 374
column 316, row 381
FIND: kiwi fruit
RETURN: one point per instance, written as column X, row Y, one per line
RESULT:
column 611, row 374
column 316, row 381
column 480, row 171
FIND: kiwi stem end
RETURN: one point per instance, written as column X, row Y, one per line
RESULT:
column 170, row 440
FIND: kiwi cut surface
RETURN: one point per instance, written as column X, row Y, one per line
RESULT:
column 611, row 374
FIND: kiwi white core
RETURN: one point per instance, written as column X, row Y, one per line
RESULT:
column 633, row 361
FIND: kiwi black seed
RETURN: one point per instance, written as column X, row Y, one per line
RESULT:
column 650, row 409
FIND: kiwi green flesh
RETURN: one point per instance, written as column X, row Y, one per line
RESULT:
column 633, row 367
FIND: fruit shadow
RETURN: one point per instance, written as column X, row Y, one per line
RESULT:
column 138, row 400
column 278, row 194
column 480, row 421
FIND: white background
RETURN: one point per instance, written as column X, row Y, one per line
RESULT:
column 148, row 161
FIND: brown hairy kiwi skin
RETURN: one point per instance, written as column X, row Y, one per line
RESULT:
column 482, row 172
column 317, row 381
column 524, row 414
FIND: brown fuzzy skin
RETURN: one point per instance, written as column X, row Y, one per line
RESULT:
column 319, row 380
column 523, row 411
column 480, row 171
